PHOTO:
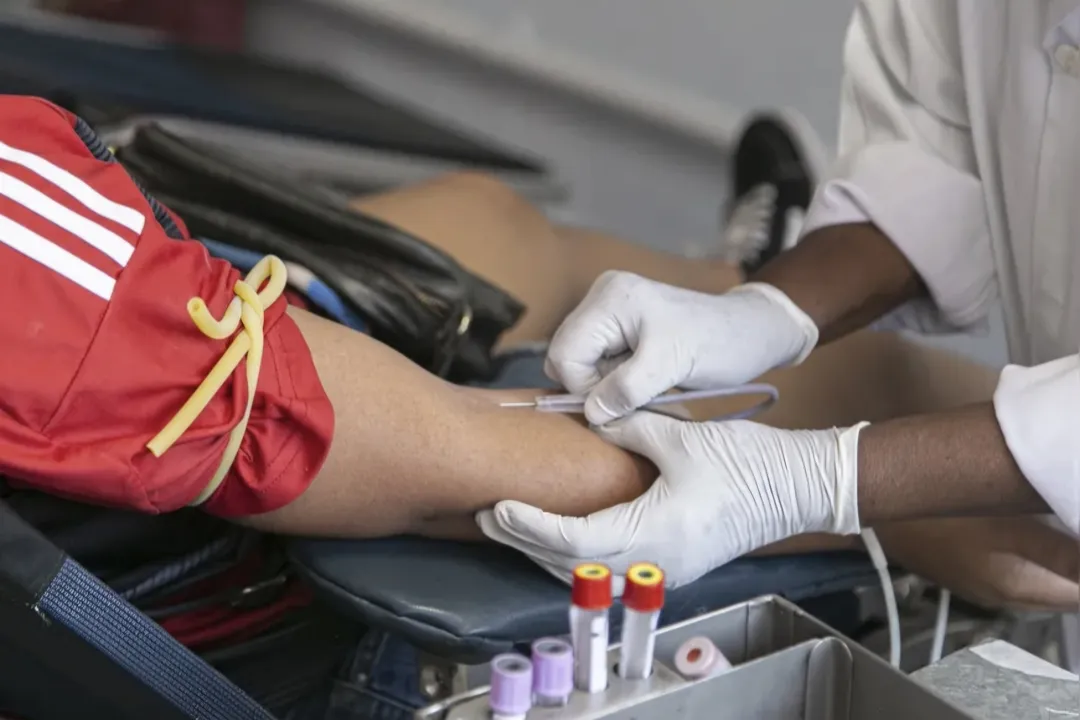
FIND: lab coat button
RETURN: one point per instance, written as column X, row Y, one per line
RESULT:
column 1068, row 58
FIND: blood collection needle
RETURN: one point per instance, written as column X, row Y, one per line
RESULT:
column 575, row 404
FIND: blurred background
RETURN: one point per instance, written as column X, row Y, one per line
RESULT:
column 616, row 114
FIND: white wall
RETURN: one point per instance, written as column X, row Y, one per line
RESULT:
column 743, row 53
column 638, row 160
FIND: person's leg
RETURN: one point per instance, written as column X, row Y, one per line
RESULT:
column 867, row 376
column 497, row 234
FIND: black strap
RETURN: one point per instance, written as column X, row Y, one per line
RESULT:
column 28, row 561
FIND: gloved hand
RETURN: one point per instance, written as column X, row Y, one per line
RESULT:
column 632, row 339
column 725, row 489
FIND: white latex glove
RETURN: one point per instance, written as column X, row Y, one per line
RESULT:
column 658, row 337
column 725, row 489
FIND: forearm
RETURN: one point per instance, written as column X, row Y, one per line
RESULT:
column 414, row 454
column 953, row 463
column 844, row 277
column 555, row 464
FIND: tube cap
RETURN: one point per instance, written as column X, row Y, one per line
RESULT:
column 591, row 588
column 644, row 589
column 553, row 668
column 698, row 657
column 511, row 685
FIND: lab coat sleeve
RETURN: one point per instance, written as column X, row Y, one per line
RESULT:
column 1037, row 409
column 906, row 160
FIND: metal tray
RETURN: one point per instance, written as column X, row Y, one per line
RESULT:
column 788, row 666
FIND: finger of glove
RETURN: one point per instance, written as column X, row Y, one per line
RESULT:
column 560, row 567
column 604, row 366
column 593, row 330
column 489, row 525
column 607, row 365
column 579, row 346
column 652, row 435
column 601, row 534
column 488, row 522
column 646, row 374
column 557, row 565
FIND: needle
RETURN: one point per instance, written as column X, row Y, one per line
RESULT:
column 575, row 404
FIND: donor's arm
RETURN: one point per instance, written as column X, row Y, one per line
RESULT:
column 412, row 453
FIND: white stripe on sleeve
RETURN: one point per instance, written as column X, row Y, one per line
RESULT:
column 41, row 204
column 56, row 258
column 123, row 215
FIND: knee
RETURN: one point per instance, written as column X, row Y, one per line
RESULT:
column 490, row 195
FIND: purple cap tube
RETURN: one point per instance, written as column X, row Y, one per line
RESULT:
column 553, row 671
column 511, row 686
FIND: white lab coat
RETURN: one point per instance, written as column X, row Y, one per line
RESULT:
column 960, row 139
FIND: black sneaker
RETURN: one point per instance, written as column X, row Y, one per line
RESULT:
column 776, row 166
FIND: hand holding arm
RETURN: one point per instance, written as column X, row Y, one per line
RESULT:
column 728, row 488
column 725, row 489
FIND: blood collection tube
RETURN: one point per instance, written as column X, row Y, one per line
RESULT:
column 699, row 658
column 511, row 687
column 643, row 598
column 553, row 672
column 590, row 602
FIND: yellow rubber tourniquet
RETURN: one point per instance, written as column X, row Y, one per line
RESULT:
column 247, row 308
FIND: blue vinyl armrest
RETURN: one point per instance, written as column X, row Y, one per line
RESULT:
column 469, row 602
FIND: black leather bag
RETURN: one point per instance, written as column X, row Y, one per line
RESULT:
column 415, row 297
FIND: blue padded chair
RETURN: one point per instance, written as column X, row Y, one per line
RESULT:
column 71, row 647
